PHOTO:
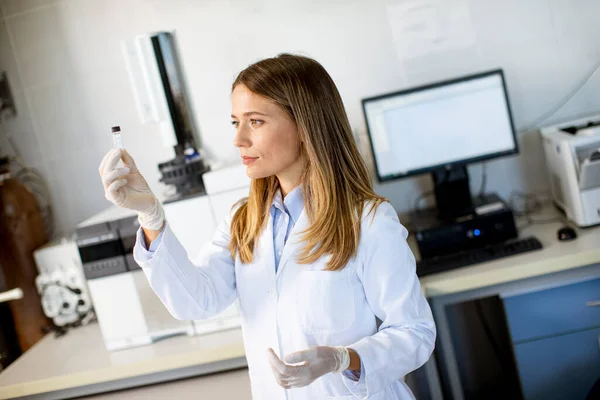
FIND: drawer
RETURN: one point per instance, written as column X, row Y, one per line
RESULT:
column 553, row 311
column 559, row 368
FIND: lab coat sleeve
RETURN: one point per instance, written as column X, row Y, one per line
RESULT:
column 189, row 289
column 406, row 337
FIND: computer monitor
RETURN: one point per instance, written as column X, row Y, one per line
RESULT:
column 439, row 129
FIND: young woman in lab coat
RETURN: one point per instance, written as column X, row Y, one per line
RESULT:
column 313, row 255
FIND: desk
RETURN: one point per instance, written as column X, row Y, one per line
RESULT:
column 558, row 263
column 224, row 385
column 58, row 368
column 78, row 364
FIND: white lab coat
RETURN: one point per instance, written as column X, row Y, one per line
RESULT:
column 301, row 306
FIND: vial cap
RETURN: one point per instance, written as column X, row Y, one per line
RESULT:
column 115, row 129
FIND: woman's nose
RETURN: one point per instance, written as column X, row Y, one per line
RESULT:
column 241, row 137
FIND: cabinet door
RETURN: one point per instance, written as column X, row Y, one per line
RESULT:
column 552, row 312
column 560, row 367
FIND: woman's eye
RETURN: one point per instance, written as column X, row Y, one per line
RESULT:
column 235, row 123
column 256, row 122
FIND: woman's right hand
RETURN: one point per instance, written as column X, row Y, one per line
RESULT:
column 127, row 188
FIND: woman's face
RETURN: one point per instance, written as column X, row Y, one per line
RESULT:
column 266, row 136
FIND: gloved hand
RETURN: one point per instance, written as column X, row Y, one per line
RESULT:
column 127, row 188
column 304, row 367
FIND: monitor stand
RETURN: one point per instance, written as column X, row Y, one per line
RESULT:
column 452, row 192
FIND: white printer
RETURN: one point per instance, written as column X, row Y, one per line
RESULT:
column 573, row 159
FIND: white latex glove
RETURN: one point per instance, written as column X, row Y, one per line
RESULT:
column 304, row 367
column 127, row 188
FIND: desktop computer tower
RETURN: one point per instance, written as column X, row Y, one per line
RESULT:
column 491, row 221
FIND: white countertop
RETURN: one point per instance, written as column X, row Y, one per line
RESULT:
column 226, row 385
column 79, row 358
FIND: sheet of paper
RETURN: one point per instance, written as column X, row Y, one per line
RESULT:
column 421, row 27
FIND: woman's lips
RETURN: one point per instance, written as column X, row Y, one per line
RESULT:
column 249, row 160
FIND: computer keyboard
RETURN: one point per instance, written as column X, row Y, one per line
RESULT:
column 475, row 256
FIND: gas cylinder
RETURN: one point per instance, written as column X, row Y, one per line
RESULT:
column 21, row 232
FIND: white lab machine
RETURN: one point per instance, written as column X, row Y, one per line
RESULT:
column 61, row 283
column 573, row 161
column 129, row 312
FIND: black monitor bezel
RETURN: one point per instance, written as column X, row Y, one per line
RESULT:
column 457, row 163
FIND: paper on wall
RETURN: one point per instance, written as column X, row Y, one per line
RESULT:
column 422, row 27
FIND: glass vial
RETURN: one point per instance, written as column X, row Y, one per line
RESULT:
column 116, row 132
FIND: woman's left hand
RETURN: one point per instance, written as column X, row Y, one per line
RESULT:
column 304, row 367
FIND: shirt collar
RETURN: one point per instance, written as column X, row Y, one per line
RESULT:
column 293, row 204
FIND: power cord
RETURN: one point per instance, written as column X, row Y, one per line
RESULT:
column 483, row 185
column 525, row 205
column 534, row 124
column 420, row 198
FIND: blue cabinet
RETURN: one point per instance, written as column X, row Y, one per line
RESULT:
column 556, row 340
column 559, row 368
column 553, row 311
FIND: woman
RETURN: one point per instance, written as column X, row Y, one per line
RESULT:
column 313, row 255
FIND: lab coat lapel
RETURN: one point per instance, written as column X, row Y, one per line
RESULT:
column 294, row 243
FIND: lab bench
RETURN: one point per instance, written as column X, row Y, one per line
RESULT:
column 78, row 364
column 565, row 273
column 546, row 301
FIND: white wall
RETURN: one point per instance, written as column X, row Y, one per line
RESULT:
column 65, row 66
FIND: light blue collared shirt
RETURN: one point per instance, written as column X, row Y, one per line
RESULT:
column 285, row 213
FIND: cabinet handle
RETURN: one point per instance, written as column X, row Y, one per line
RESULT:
column 595, row 303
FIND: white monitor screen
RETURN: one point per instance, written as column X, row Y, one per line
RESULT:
column 423, row 129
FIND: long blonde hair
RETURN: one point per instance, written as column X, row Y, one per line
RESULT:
column 336, row 182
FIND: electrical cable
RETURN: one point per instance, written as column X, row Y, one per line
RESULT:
column 483, row 180
column 526, row 204
column 534, row 124
column 421, row 197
